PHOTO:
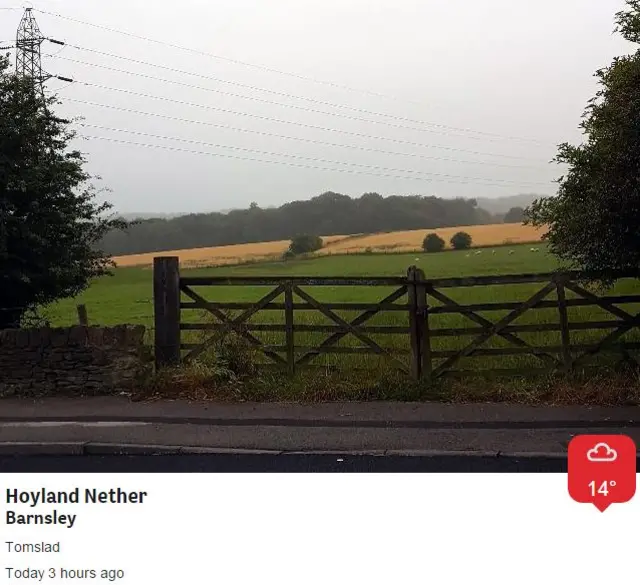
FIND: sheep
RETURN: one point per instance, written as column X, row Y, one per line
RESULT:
column 511, row 252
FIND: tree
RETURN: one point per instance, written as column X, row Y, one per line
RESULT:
column 305, row 244
column 461, row 241
column 49, row 222
column 514, row 215
column 594, row 221
column 433, row 243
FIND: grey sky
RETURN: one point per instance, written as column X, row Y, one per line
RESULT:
column 521, row 68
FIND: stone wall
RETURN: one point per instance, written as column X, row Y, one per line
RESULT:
column 72, row 360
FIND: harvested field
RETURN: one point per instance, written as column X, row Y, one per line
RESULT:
column 220, row 255
column 406, row 241
column 483, row 235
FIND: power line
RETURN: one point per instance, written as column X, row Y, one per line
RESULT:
column 306, row 158
column 291, row 122
column 298, row 139
column 264, row 68
column 303, row 166
column 219, row 57
column 261, row 100
column 287, row 95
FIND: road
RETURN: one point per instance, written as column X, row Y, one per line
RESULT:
column 283, row 463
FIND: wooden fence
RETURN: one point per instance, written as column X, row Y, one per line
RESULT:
column 419, row 299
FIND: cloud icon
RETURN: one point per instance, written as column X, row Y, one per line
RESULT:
column 602, row 453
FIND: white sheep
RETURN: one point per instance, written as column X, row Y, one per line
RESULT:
column 511, row 252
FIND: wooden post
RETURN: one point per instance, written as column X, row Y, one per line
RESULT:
column 289, row 327
column 414, row 323
column 166, row 310
column 423, row 324
column 83, row 318
column 564, row 326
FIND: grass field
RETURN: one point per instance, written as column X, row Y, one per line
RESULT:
column 483, row 235
column 127, row 298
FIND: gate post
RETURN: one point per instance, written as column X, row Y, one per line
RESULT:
column 289, row 327
column 423, row 320
column 567, row 361
column 166, row 310
column 416, row 293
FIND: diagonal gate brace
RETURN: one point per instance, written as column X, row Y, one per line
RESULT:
column 233, row 324
column 495, row 329
column 349, row 327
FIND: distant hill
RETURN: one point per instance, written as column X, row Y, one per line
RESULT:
column 130, row 216
column 501, row 205
column 146, row 215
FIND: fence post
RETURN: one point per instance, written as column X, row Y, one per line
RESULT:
column 83, row 318
column 423, row 323
column 415, row 327
column 564, row 325
column 289, row 327
column 166, row 310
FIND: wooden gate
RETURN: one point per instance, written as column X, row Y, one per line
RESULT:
column 421, row 302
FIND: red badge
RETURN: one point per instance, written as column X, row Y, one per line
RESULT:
column 602, row 469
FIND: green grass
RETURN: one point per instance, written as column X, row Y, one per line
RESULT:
column 127, row 298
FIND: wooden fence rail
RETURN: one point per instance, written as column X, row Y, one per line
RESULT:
column 420, row 299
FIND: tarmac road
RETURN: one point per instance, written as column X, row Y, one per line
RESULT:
column 278, row 463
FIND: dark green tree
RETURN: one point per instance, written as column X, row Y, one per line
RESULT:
column 49, row 222
column 461, row 241
column 305, row 244
column 433, row 243
column 514, row 215
column 594, row 221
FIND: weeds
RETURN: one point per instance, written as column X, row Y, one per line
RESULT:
column 198, row 381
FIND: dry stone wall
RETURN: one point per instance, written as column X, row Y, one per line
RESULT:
column 72, row 360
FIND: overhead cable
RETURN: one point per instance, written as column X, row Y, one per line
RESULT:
column 291, row 122
column 298, row 138
column 290, row 164
column 306, row 158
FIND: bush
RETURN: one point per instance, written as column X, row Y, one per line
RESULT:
column 433, row 243
column 461, row 241
column 305, row 244
column 288, row 255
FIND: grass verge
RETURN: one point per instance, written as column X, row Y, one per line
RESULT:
column 229, row 372
column 204, row 383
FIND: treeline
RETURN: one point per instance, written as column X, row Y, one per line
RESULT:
column 327, row 214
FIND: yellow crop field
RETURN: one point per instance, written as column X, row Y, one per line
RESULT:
column 406, row 241
column 482, row 235
column 220, row 255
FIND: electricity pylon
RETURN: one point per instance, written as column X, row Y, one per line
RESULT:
column 28, row 59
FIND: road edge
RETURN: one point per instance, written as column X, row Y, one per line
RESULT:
column 23, row 449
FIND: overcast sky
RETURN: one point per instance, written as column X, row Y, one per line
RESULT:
column 513, row 75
